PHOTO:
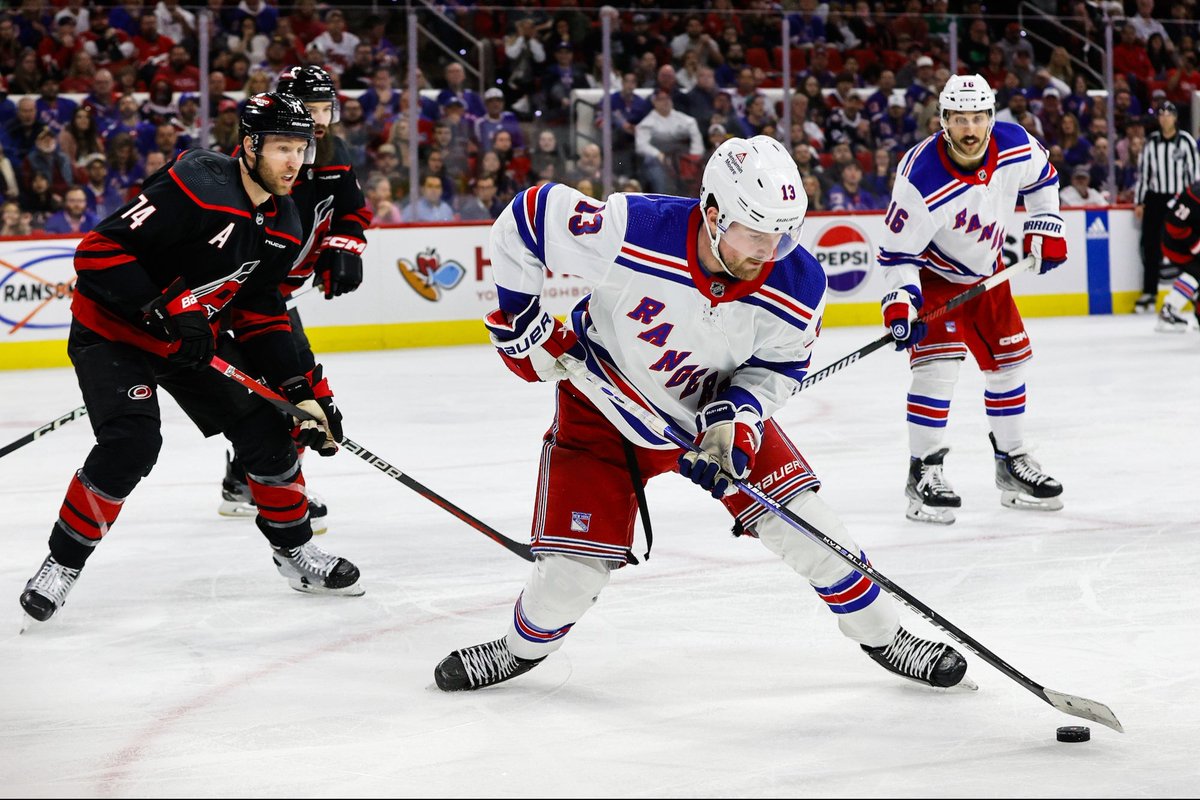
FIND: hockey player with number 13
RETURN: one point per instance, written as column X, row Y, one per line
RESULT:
column 944, row 229
column 704, row 313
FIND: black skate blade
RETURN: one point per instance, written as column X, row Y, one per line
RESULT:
column 1083, row 708
column 354, row 590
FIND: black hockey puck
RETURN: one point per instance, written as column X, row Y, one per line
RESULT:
column 1074, row 733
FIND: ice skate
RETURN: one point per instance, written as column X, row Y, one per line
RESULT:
column 1170, row 321
column 46, row 592
column 1144, row 304
column 930, row 498
column 931, row 663
column 236, row 500
column 310, row 569
column 480, row 665
column 1022, row 483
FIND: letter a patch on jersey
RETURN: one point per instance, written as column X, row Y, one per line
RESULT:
column 221, row 238
column 580, row 522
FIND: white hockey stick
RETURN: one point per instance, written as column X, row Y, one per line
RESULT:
column 976, row 289
column 1068, row 704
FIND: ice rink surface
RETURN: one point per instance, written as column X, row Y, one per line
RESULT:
column 183, row 665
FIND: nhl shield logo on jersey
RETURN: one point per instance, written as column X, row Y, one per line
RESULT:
column 429, row 277
column 845, row 253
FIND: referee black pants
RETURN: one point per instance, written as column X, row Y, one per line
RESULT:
column 1153, row 218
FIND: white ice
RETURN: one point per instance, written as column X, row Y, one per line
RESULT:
column 183, row 665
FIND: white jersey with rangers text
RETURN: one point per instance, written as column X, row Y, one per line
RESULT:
column 954, row 223
column 656, row 325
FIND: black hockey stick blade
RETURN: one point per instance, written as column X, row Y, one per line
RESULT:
column 34, row 435
column 976, row 289
column 235, row 374
column 1068, row 704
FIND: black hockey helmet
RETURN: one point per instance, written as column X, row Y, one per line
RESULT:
column 311, row 84
column 280, row 114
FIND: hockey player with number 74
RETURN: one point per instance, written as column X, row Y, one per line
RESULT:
column 705, row 313
column 944, row 228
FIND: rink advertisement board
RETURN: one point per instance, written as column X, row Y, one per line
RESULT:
column 431, row 285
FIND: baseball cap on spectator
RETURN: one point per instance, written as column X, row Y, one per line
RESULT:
column 493, row 94
column 1050, row 91
column 924, row 61
column 387, row 148
column 86, row 161
column 1012, row 27
column 1158, row 93
column 639, row 18
column 455, row 100
column 896, row 100
column 226, row 105
column 717, row 129
column 45, row 131
column 563, row 45
column 1168, row 108
column 1081, row 171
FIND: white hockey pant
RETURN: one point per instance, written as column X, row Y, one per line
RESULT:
column 559, row 590
column 864, row 612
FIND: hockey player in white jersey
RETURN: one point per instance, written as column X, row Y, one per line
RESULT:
column 943, row 229
column 705, row 313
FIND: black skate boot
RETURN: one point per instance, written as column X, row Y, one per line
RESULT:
column 236, row 500
column 46, row 592
column 310, row 569
column 1171, row 321
column 930, row 498
column 932, row 663
column 480, row 665
column 1022, row 483
column 1144, row 304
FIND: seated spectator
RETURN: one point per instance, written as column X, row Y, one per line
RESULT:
column 812, row 189
column 21, row 132
column 1098, row 169
column 757, row 117
column 109, row 46
column 266, row 15
column 896, row 130
column 74, row 216
column 102, row 99
column 54, row 111
column 14, row 221
column 26, row 77
column 336, row 44
column 430, row 207
column 818, row 67
column 39, row 201
column 381, row 103
column 79, row 137
column 995, row 70
column 482, row 203
column 354, row 132
column 124, row 165
column 849, row 194
column 547, row 153
column 1018, row 107
column 491, row 166
column 1050, row 114
column 379, row 199
column 103, row 194
column 81, row 76
column 877, row 103
column 435, row 164
column 1022, row 67
column 716, row 136
column 558, row 81
column 10, row 184
column 1130, row 56
column 48, row 159
column 589, row 165
column 225, row 127
column 159, row 106
column 456, row 86
column 663, row 136
column 496, row 118
column 358, row 74
column 387, row 162
column 879, row 181
column 304, row 20
column 249, row 41
column 1077, row 149
column 849, row 124
column 1080, row 192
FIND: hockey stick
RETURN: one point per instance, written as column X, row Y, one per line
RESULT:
column 235, row 374
column 1068, row 704
column 990, row 282
column 42, row 431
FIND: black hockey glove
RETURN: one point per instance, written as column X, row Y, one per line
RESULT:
column 321, row 432
column 339, row 270
column 177, row 316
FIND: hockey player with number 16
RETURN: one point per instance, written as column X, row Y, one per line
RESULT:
column 943, row 230
column 705, row 313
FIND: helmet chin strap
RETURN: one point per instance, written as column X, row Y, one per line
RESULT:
column 253, row 170
column 714, row 241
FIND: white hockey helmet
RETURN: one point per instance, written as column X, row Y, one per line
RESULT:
column 968, row 93
column 757, row 190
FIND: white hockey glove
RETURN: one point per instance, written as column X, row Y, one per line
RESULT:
column 531, row 342
column 729, row 439
column 1044, row 241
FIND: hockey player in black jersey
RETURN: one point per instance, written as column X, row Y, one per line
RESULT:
column 203, row 247
column 333, row 214
column 1181, row 250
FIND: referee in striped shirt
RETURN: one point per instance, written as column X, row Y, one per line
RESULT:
column 1170, row 163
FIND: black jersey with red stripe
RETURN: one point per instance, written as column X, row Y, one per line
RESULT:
column 333, row 212
column 194, row 219
column 1181, row 239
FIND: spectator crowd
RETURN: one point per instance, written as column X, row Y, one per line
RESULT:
column 865, row 78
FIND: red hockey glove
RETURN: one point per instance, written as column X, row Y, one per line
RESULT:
column 900, row 310
column 177, row 316
column 1044, row 241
